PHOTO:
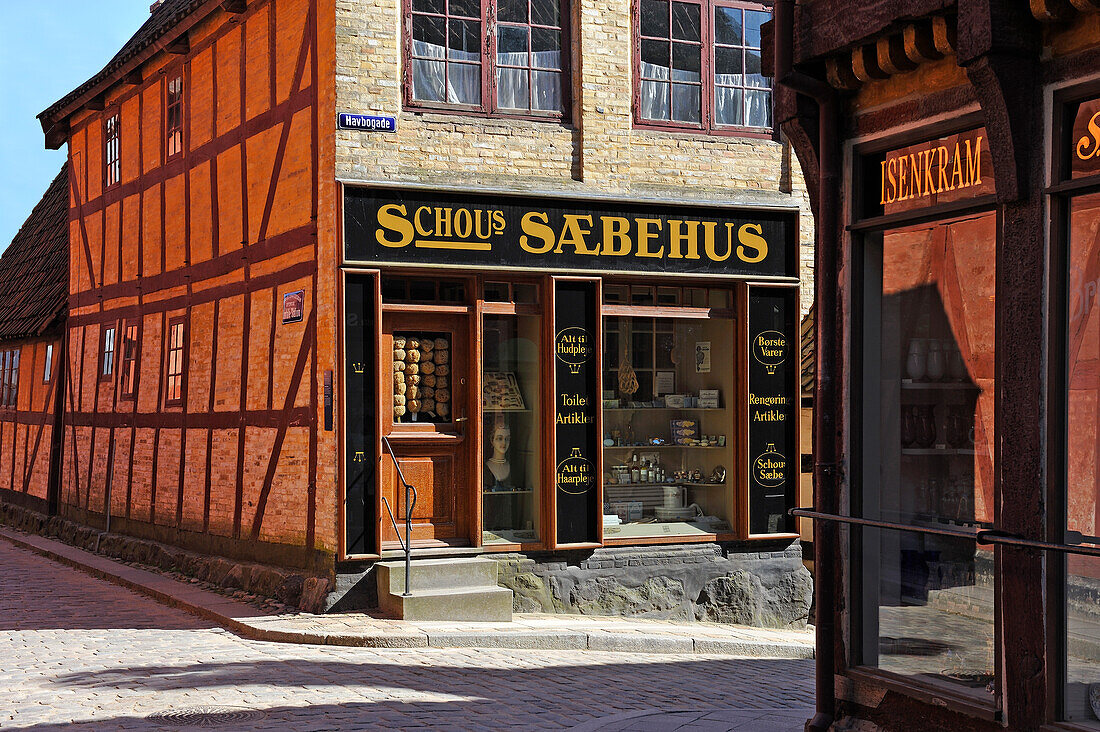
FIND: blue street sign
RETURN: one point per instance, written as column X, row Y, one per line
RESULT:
column 367, row 123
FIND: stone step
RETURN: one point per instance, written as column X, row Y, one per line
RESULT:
column 437, row 574
column 481, row 604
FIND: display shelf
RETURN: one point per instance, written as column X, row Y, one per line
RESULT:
column 665, row 409
column 931, row 451
column 664, row 447
column 910, row 385
column 679, row 483
column 505, row 493
column 496, row 410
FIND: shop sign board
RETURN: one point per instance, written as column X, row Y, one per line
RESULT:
column 773, row 445
column 294, row 306
column 1084, row 155
column 414, row 227
column 953, row 168
column 576, row 370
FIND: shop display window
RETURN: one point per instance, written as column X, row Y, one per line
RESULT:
column 668, row 424
column 928, row 433
column 1082, row 500
column 512, row 431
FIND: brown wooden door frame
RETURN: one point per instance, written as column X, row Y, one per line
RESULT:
column 437, row 459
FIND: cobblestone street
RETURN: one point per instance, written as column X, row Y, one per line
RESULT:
column 81, row 651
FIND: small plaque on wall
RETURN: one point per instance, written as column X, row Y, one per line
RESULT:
column 294, row 306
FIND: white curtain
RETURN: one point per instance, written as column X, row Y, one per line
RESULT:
column 544, row 90
column 654, row 96
column 463, row 85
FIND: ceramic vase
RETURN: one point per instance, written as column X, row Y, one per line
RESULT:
column 937, row 362
column 917, row 361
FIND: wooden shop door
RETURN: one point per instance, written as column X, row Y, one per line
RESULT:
column 425, row 414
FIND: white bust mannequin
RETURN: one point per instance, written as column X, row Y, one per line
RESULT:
column 498, row 468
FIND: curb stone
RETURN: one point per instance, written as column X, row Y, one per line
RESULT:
column 247, row 622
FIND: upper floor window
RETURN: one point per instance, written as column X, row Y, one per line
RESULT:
column 174, row 117
column 47, row 372
column 502, row 58
column 129, row 360
column 9, row 375
column 177, row 338
column 698, row 66
column 111, row 150
column 107, row 359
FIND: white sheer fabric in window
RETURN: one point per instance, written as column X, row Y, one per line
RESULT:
column 542, row 92
column 654, row 95
column 462, row 84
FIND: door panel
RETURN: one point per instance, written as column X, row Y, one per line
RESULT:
column 426, row 425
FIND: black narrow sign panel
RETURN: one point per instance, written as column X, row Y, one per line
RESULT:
column 773, row 447
column 577, row 393
column 414, row 227
column 359, row 411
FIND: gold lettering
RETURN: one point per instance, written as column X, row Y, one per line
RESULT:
column 941, row 154
column 1093, row 137
column 755, row 241
column 533, row 225
column 644, row 236
column 488, row 223
column 420, row 228
column 893, row 181
column 712, row 251
column 974, row 163
column 916, row 181
column 882, row 202
column 956, row 171
column 464, row 223
column 498, row 221
column 903, row 193
column 929, row 181
column 616, row 239
column 573, row 234
column 676, row 237
column 388, row 218
column 443, row 223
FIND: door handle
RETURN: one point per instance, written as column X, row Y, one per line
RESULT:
column 462, row 419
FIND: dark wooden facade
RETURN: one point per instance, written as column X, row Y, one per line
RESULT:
column 857, row 80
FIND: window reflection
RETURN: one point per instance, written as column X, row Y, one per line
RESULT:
column 928, row 602
column 1082, row 584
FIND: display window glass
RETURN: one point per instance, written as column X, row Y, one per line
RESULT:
column 668, row 422
column 928, row 434
column 512, row 429
column 1082, row 500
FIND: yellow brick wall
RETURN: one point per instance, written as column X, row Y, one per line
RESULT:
column 597, row 152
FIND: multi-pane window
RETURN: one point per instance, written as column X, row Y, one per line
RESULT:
column 699, row 65
column 174, row 119
column 9, row 375
column 129, row 360
column 177, row 335
column 108, row 355
column 47, row 372
column 463, row 55
column 111, row 150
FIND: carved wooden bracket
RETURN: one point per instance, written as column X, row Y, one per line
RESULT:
column 918, row 42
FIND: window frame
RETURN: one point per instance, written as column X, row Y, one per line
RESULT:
column 706, row 125
column 112, row 167
column 9, row 378
column 169, row 130
column 488, row 107
column 134, row 360
column 107, row 357
column 169, row 400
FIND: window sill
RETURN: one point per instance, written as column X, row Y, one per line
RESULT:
column 755, row 133
column 468, row 113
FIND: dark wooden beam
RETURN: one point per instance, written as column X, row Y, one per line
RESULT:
column 134, row 78
column 181, row 45
column 97, row 103
column 234, row 6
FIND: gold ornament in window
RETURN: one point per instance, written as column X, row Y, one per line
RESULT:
column 628, row 380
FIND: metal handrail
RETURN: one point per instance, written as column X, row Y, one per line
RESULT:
column 410, row 504
column 981, row 536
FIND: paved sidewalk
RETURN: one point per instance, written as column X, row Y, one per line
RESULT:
column 542, row 632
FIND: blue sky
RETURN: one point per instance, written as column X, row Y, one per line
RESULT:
column 47, row 49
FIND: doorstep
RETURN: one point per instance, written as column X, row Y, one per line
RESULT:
column 525, row 631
